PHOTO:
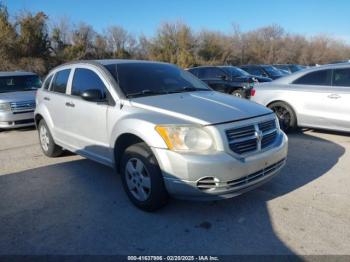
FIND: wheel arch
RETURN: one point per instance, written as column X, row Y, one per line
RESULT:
column 121, row 144
column 288, row 104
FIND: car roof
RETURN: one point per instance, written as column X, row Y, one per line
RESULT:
column 255, row 65
column 125, row 61
column 16, row 73
column 290, row 78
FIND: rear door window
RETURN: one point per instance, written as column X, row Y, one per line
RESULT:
column 59, row 84
column 253, row 71
column 341, row 77
column 321, row 78
column 211, row 72
column 194, row 71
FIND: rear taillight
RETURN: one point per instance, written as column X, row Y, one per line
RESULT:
column 252, row 92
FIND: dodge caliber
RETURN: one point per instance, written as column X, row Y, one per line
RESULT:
column 162, row 129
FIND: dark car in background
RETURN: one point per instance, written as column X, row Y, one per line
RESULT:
column 227, row 79
column 291, row 68
column 263, row 70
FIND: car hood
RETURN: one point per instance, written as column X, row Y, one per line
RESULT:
column 17, row 96
column 203, row 107
column 263, row 79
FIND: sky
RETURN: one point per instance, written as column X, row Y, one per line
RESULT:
column 308, row 17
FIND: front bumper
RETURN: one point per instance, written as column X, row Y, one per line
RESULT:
column 14, row 120
column 183, row 173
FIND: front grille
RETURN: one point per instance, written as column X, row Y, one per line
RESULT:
column 255, row 176
column 22, row 107
column 251, row 138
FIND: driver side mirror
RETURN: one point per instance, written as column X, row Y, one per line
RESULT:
column 93, row 95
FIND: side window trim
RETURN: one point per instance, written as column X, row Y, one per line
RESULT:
column 48, row 78
column 68, row 81
column 107, row 84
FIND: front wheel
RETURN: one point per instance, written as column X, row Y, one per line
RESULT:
column 142, row 178
column 285, row 115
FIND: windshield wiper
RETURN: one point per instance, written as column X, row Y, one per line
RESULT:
column 144, row 92
column 187, row 89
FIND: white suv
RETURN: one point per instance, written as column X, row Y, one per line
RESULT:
column 161, row 128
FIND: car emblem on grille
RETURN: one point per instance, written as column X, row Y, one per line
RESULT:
column 259, row 136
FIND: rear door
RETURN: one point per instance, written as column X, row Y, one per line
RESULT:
column 214, row 77
column 55, row 100
column 340, row 99
column 312, row 95
column 88, row 129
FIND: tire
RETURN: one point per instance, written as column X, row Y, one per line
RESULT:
column 238, row 93
column 142, row 179
column 286, row 116
column 47, row 143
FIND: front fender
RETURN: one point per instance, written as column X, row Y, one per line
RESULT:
column 141, row 128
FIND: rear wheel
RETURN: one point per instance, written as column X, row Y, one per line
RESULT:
column 238, row 93
column 142, row 178
column 47, row 143
column 286, row 116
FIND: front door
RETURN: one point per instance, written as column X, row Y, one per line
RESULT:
column 88, row 129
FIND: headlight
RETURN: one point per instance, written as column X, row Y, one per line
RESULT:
column 5, row 107
column 186, row 138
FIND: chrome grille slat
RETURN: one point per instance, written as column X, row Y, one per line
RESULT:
column 251, row 138
column 22, row 106
column 252, row 177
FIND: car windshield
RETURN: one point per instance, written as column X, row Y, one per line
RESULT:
column 19, row 83
column 295, row 68
column 146, row 79
column 272, row 71
column 235, row 71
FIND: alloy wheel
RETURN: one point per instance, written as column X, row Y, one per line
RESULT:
column 138, row 179
column 284, row 116
column 44, row 138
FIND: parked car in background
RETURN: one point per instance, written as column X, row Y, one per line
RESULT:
column 283, row 72
column 263, row 70
column 17, row 98
column 290, row 68
column 317, row 97
column 227, row 79
column 340, row 62
column 164, row 131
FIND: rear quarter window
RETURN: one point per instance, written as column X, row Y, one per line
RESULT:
column 341, row 77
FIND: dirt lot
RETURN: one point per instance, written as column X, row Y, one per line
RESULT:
column 70, row 205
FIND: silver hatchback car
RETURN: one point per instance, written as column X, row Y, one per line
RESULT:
column 165, row 131
column 317, row 97
column 17, row 98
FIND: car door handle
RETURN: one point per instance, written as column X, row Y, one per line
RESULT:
column 70, row 104
column 334, row 96
column 47, row 98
